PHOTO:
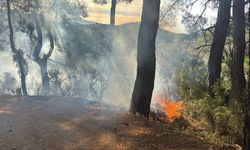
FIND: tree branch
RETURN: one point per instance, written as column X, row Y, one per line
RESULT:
column 203, row 11
column 192, row 3
column 170, row 8
column 203, row 46
column 12, row 44
column 39, row 42
column 51, row 45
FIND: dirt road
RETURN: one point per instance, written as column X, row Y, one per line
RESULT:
column 66, row 123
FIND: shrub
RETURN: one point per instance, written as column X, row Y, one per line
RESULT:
column 218, row 116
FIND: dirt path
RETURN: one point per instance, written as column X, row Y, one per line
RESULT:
column 61, row 123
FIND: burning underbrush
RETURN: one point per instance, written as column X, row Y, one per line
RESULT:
column 165, row 110
column 169, row 111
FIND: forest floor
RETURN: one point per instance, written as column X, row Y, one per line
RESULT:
column 70, row 123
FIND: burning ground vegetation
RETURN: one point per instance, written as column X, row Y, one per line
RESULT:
column 167, row 111
column 173, row 113
column 164, row 109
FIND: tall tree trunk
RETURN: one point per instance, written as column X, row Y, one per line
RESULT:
column 144, row 84
column 45, row 77
column 246, row 130
column 216, row 52
column 112, row 12
column 238, row 78
column 42, row 62
column 246, row 140
column 18, row 54
column 22, row 72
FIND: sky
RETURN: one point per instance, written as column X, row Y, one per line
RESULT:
column 131, row 12
column 125, row 12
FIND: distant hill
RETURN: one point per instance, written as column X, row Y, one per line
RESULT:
column 112, row 52
column 95, row 39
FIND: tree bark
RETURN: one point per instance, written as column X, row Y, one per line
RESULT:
column 22, row 73
column 112, row 12
column 45, row 77
column 18, row 54
column 42, row 62
column 216, row 52
column 246, row 130
column 146, row 60
column 238, row 78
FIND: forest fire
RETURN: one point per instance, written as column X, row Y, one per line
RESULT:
column 172, row 109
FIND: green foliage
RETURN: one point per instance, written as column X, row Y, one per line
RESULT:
column 56, row 81
column 191, row 80
column 8, row 84
column 180, row 123
column 67, row 9
column 218, row 116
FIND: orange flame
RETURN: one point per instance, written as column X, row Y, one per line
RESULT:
column 171, row 108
